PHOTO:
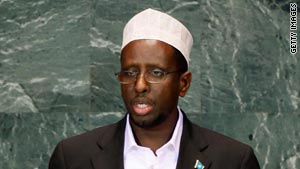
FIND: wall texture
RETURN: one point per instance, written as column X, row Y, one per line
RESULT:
column 58, row 58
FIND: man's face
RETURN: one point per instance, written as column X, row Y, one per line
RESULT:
column 149, row 104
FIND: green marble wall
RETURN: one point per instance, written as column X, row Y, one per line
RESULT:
column 58, row 58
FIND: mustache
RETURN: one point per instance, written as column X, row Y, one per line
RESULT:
column 142, row 99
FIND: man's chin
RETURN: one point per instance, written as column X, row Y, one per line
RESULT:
column 146, row 122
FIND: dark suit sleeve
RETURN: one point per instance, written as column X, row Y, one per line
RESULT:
column 57, row 160
column 250, row 160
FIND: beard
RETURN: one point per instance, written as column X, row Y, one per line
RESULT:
column 148, row 122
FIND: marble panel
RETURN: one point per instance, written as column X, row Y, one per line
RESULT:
column 44, row 56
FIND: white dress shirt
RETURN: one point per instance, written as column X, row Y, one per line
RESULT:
column 138, row 157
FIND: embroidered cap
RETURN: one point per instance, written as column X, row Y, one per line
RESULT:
column 153, row 24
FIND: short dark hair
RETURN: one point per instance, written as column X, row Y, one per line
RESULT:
column 181, row 61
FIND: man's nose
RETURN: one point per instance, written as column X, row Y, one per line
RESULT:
column 141, row 85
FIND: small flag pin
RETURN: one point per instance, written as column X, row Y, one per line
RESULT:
column 198, row 165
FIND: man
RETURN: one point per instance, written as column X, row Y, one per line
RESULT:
column 155, row 133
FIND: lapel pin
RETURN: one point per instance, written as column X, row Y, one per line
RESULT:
column 198, row 165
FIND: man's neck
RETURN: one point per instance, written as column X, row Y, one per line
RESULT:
column 157, row 136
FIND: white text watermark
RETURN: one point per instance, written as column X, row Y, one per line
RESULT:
column 293, row 28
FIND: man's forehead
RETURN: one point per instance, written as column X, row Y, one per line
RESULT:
column 148, row 52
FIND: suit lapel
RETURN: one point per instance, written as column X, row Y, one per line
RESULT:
column 192, row 147
column 111, row 145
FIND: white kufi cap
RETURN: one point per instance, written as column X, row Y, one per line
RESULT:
column 153, row 24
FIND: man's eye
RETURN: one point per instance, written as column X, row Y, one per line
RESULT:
column 130, row 73
column 156, row 73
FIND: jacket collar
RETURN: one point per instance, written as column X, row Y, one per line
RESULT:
column 111, row 144
column 192, row 146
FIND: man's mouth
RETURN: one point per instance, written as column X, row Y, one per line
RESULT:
column 142, row 105
column 142, row 108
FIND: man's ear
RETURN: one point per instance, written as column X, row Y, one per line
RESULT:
column 185, row 82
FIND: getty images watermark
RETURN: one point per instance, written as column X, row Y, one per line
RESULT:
column 293, row 28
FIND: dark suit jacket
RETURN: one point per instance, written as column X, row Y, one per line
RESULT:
column 102, row 148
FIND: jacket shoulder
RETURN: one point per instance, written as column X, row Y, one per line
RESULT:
column 225, row 151
column 90, row 141
column 219, row 141
column 214, row 137
column 93, row 135
column 77, row 151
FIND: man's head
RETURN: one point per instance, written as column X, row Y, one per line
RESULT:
column 153, row 75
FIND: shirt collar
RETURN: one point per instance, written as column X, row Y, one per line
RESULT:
column 129, row 141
